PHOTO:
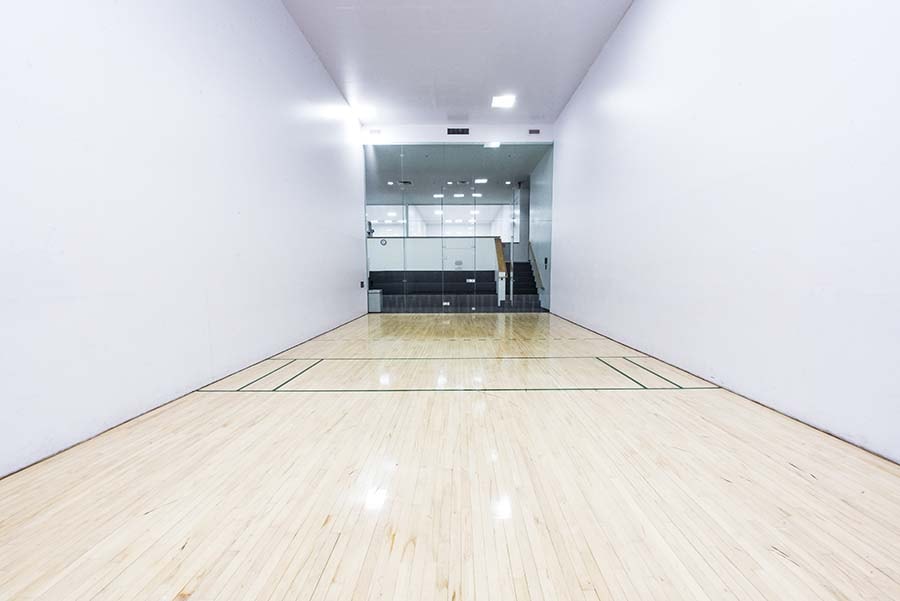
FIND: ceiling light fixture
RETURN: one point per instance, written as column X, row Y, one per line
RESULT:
column 438, row 212
column 481, row 180
column 392, row 214
column 474, row 212
column 504, row 101
column 390, row 183
column 492, row 145
column 508, row 183
column 477, row 195
column 458, row 195
column 458, row 221
column 438, row 195
column 449, row 183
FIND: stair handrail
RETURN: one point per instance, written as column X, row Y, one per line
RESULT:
column 534, row 267
column 501, row 262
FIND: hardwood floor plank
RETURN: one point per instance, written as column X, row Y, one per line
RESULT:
column 565, row 493
column 460, row 374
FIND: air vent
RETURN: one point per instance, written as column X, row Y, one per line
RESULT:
column 533, row 131
column 406, row 182
column 457, row 131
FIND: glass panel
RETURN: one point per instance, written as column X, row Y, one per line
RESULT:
column 384, row 241
column 458, row 237
column 434, row 214
column 387, row 221
column 540, row 222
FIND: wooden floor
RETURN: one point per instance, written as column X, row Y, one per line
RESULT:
column 455, row 457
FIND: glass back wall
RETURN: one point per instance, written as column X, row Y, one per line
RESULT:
column 445, row 227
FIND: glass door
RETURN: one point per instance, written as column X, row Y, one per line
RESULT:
column 458, row 236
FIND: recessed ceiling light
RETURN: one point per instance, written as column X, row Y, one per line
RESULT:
column 438, row 212
column 458, row 195
column 458, row 221
column 449, row 183
column 389, row 221
column 477, row 195
column 481, row 180
column 374, row 221
column 492, row 145
column 471, row 221
column 392, row 214
column 474, row 212
column 508, row 183
column 438, row 195
column 504, row 101
column 390, row 183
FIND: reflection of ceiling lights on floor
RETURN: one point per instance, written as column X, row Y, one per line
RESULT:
column 375, row 499
column 502, row 509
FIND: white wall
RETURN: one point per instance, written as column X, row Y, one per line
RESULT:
column 540, row 213
column 162, row 162
column 726, row 198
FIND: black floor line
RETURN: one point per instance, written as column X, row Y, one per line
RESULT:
column 296, row 376
column 620, row 371
column 653, row 372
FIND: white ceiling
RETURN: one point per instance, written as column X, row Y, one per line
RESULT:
column 436, row 61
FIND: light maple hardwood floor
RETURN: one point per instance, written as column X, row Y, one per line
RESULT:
column 455, row 457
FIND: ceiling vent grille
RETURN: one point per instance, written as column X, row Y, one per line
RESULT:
column 533, row 132
column 457, row 131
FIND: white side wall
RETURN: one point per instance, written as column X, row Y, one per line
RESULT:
column 540, row 212
column 726, row 198
column 164, row 168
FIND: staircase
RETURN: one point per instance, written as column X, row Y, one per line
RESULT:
column 524, row 289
